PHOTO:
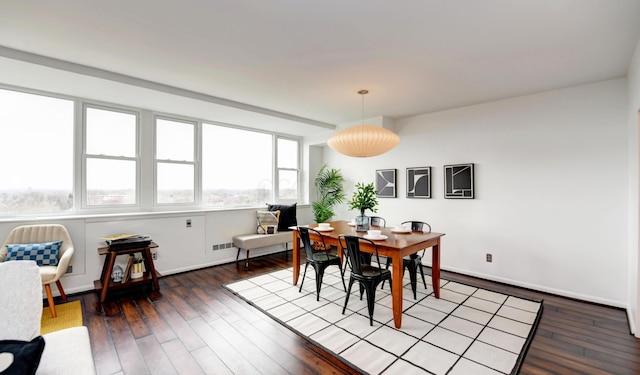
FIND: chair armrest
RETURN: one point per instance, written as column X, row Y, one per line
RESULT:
column 63, row 263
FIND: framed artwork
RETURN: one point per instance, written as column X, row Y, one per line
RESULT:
column 386, row 183
column 458, row 181
column 419, row 182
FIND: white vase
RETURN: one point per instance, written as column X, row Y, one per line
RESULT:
column 136, row 271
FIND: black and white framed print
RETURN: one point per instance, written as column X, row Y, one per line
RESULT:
column 386, row 183
column 458, row 181
column 419, row 182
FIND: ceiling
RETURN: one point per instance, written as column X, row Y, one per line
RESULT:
column 308, row 59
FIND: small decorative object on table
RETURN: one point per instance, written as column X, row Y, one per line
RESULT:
column 117, row 273
column 137, row 268
column 364, row 198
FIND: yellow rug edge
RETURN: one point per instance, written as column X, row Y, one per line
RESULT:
column 68, row 315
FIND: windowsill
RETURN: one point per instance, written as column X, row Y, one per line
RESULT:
column 97, row 217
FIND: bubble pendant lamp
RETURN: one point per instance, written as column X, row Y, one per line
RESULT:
column 363, row 140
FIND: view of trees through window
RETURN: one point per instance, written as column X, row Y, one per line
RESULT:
column 111, row 157
column 237, row 167
column 36, row 154
column 175, row 158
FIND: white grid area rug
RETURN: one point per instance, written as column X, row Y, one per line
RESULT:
column 468, row 330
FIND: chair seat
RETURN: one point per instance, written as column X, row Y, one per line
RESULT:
column 324, row 257
column 48, row 273
column 371, row 272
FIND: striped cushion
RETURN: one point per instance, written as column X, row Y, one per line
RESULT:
column 268, row 222
column 44, row 254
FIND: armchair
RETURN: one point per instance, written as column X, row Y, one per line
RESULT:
column 29, row 234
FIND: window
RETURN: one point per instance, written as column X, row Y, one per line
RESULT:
column 175, row 162
column 288, row 168
column 121, row 159
column 237, row 167
column 111, row 157
column 36, row 153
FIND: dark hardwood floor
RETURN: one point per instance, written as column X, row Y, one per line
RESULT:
column 196, row 326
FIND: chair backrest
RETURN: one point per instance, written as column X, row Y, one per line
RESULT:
column 20, row 300
column 419, row 226
column 38, row 234
column 306, row 242
column 356, row 258
column 378, row 221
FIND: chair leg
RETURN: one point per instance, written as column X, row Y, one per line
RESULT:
column 371, row 297
column 388, row 264
column 422, row 274
column 319, row 277
column 342, row 277
column 346, row 299
column 303, row 276
column 413, row 277
column 52, row 307
column 64, row 296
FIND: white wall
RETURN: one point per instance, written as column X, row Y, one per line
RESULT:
column 633, row 82
column 180, row 248
column 551, row 184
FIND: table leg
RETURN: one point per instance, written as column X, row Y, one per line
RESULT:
column 106, row 277
column 296, row 257
column 148, row 262
column 396, row 289
column 435, row 268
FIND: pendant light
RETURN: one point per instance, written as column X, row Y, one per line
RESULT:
column 363, row 140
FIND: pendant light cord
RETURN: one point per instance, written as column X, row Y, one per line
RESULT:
column 363, row 93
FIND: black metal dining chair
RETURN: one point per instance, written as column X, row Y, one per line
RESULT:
column 367, row 276
column 378, row 221
column 413, row 262
column 319, row 259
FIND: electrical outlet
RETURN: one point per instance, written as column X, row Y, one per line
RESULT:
column 154, row 255
column 188, row 223
column 489, row 258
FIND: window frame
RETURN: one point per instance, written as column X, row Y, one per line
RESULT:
column 74, row 172
column 276, row 180
column 84, row 207
column 196, row 163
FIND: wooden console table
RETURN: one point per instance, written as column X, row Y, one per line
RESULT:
column 105, row 284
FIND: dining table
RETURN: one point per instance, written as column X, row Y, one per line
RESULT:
column 394, row 244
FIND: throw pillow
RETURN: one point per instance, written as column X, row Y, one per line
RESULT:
column 20, row 357
column 268, row 222
column 287, row 216
column 44, row 254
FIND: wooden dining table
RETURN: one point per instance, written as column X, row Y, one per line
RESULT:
column 395, row 246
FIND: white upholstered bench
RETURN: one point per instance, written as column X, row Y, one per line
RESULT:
column 255, row 241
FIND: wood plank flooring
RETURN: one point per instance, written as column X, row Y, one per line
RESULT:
column 195, row 326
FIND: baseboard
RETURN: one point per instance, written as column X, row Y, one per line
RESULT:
column 536, row 287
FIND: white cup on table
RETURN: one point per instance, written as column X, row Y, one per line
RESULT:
column 374, row 233
column 324, row 226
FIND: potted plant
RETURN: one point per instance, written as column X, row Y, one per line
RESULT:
column 364, row 198
column 329, row 184
column 137, row 270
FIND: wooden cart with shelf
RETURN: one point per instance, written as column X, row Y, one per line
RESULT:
column 105, row 284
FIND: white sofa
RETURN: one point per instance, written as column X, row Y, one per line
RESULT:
column 67, row 351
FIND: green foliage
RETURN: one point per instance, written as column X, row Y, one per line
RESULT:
column 329, row 185
column 364, row 198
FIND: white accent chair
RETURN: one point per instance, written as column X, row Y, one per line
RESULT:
column 67, row 351
column 39, row 234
